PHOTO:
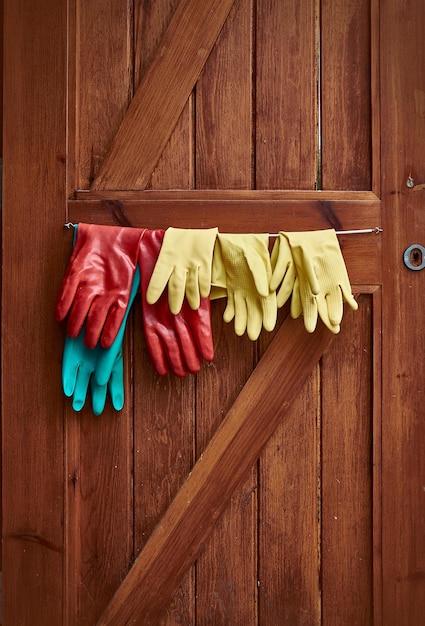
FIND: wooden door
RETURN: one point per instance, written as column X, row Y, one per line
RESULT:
column 283, row 484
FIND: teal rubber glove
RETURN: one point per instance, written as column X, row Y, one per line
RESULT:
column 99, row 368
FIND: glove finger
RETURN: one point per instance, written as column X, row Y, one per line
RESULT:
column 81, row 388
column 204, row 278
column 158, row 281
column 164, row 350
column 229, row 311
column 323, row 312
column 188, row 349
column 296, row 306
column 157, row 353
column 176, row 289
column 96, row 316
column 116, row 384
column 192, row 288
column 305, row 266
column 258, row 271
column 106, row 362
column 349, row 298
column 287, row 286
column 200, row 323
column 70, row 366
column 98, row 397
column 65, row 297
column 310, row 312
column 241, row 315
column 112, row 325
column 269, row 308
column 334, row 306
column 77, row 316
column 254, row 319
column 281, row 260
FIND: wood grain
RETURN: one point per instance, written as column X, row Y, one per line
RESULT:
column 200, row 502
column 403, row 153
column 162, row 94
column 32, row 413
column 286, row 96
column 346, row 121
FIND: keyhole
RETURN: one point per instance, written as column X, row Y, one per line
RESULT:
column 416, row 257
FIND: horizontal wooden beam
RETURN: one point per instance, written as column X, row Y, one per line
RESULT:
column 178, row 538
column 256, row 211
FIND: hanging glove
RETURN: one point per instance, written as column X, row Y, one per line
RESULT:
column 175, row 341
column 322, row 282
column 184, row 262
column 100, row 368
column 97, row 282
column 284, row 272
column 247, row 266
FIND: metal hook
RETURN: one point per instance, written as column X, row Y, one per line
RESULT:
column 69, row 225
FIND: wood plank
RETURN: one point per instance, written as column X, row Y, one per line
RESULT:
column 226, row 570
column 286, row 93
column 164, row 453
column 237, row 444
column 162, row 94
column 103, row 82
column 175, row 167
column 403, row 152
column 32, row 401
column 224, row 131
column 288, row 511
column 346, row 125
column 262, row 215
column 226, row 586
column 347, row 471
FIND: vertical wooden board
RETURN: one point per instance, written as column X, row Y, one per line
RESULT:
column 164, row 418
column 104, row 80
column 104, row 513
column 226, row 569
column 174, row 169
column 286, row 94
column 403, row 431
column 288, row 508
column 34, row 180
column 345, row 63
column 224, row 106
column 99, row 514
column 346, row 489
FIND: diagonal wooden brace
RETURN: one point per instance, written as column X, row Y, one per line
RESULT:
column 178, row 539
column 162, row 94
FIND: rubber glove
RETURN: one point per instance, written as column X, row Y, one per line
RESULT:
column 247, row 266
column 97, row 282
column 218, row 275
column 100, row 368
column 284, row 272
column 184, row 262
column 175, row 341
column 322, row 282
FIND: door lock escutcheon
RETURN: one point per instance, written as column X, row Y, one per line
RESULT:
column 414, row 257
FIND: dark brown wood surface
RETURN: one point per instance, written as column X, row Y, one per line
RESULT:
column 221, row 467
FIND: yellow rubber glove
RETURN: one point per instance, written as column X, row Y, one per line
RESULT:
column 218, row 275
column 322, row 282
column 184, row 263
column 284, row 272
column 247, row 268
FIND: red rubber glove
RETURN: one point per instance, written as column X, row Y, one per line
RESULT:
column 177, row 342
column 97, row 282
